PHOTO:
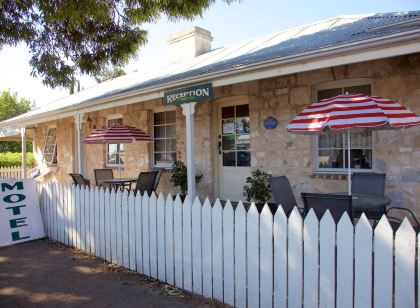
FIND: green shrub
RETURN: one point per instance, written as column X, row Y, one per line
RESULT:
column 256, row 188
column 15, row 159
column 179, row 176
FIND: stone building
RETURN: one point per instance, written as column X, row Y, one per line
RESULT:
column 272, row 76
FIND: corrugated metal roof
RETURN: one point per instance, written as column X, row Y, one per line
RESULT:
column 299, row 40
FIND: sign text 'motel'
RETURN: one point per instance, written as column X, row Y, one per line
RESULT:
column 190, row 94
column 20, row 217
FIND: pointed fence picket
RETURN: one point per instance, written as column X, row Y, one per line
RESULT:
column 196, row 247
column 363, row 263
column 186, row 244
column 405, row 255
column 153, row 235
column 345, row 239
column 242, row 258
column 383, row 237
column 228, row 254
column 311, row 256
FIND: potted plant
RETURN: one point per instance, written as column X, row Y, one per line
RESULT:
column 256, row 188
column 179, row 177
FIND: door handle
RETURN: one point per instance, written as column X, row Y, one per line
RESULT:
column 220, row 147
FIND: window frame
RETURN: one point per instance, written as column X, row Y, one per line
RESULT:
column 107, row 164
column 160, row 110
column 54, row 153
column 315, row 138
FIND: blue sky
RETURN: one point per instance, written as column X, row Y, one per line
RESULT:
column 227, row 23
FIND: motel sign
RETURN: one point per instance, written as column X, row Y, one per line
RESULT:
column 20, row 216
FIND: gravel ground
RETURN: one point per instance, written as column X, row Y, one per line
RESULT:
column 44, row 273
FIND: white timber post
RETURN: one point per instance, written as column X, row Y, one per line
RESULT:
column 189, row 110
column 79, row 145
column 23, row 138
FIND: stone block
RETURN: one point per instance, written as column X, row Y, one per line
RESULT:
column 314, row 77
column 241, row 88
column 339, row 72
column 300, row 96
column 381, row 165
column 397, row 197
column 411, row 176
column 267, row 94
column 286, row 81
column 267, row 84
column 417, row 141
column 281, row 91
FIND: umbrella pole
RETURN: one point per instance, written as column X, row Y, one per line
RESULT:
column 348, row 162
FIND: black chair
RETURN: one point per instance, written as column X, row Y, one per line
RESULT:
column 283, row 193
column 336, row 204
column 157, row 177
column 368, row 183
column 145, row 182
column 103, row 174
column 78, row 179
column 396, row 216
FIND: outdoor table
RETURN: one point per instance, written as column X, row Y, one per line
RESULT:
column 116, row 183
column 362, row 201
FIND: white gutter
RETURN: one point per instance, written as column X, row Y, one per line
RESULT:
column 372, row 49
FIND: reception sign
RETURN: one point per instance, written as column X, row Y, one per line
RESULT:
column 20, row 216
column 195, row 93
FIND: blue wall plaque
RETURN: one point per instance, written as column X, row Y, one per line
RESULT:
column 270, row 123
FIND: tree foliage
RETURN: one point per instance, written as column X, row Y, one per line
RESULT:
column 11, row 106
column 109, row 73
column 69, row 38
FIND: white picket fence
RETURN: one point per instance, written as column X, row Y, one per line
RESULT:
column 11, row 172
column 239, row 257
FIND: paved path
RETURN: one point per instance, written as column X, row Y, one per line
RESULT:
column 45, row 274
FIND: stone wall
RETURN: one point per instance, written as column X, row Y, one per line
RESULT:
column 278, row 152
column 65, row 150
column 275, row 151
column 138, row 155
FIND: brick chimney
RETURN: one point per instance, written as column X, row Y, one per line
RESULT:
column 188, row 44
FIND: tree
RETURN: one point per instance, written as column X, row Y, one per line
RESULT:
column 109, row 73
column 11, row 106
column 69, row 38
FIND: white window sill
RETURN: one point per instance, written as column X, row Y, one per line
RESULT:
column 342, row 172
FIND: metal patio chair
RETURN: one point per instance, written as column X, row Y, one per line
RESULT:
column 103, row 174
column 78, row 179
column 157, row 178
column 396, row 216
column 369, row 183
column 283, row 193
column 336, row 204
column 145, row 182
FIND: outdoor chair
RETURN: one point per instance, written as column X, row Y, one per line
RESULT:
column 103, row 174
column 283, row 193
column 396, row 216
column 157, row 178
column 145, row 182
column 336, row 204
column 78, row 179
column 368, row 183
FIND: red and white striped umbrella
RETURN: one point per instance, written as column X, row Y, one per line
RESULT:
column 352, row 111
column 117, row 134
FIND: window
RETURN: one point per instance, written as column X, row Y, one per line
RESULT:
column 115, row 151
column 164, row 133
column 236, row 148
column 331, row 149
column 50, row 149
